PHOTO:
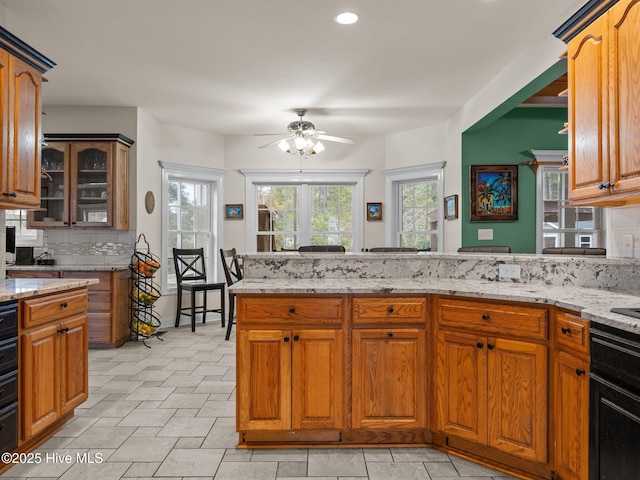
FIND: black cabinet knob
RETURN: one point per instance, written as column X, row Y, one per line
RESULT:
column 292, row 310
column 490, row 346
column 580, row 372
column 63, row 304
column 479, row 344
column 390, row 334
column 485, row 316
column 566, row 330
column 286, row 339
column 296, row 338
column 390, row 309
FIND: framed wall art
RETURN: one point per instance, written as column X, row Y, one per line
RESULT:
column 451, row 207
column 494, row 192
column 233, row 212
column 374, row 211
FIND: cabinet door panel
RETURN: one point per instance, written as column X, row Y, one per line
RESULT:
column 588, row 147
column 625, row 96
column 572, row 417
column 74, row 375
column 264, row 380
column 461, row 385
column 389, row 370
column 317, row 380
column 5, row 168
column 40, row 379
column 517, row 398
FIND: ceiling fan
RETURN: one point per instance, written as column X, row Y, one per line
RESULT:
column 303, row 137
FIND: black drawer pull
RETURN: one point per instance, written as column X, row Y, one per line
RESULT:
column 485, row 316
column 390, row 334
column 490, row 346
column 63, row 304
column 296, row 338
column 390, row 309
column 10, row 194
column 479, row 344
column 63, row 330
column 580, row 372
column 286, row 339
column 566, row 330
column 292, row 310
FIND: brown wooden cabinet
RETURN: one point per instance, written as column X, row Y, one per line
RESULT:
column 604, row 125
column 389, row 368
column 290, row 376
column 20, row 121
column 108, row 311
column 571, row 404
column 53, row 359
column 491, row 388
column 88, row 184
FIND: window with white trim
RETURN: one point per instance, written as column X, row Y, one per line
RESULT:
column 190, row 216
column 25, row 237
column 560, row 225
column 287, row 209
column 415, row 198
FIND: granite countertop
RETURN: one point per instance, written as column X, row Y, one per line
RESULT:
column 67, row 268
column 18, row 288
column 592, row 303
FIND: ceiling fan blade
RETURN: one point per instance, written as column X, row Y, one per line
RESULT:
column 275, row 142
column 331, row 138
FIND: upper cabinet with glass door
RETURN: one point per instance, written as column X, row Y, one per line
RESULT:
column 86, row 184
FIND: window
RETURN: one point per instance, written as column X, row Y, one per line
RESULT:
column 558, row 224
column 288, row 209
column 25, row 237
column 414, row 195
column 190, row 216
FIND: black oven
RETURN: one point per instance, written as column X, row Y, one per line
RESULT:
column 614, row 410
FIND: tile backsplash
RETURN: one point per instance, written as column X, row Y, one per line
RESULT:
column 88, row 247
column 623, row 232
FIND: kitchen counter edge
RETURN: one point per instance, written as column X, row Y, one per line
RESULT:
column 20, row 288
column 593, row 304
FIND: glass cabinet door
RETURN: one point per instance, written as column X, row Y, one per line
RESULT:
column 54, row 186
column 90, row 205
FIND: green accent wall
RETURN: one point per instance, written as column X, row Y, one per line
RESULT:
column 508, row 141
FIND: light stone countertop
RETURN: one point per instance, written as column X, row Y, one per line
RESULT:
column 19, row 288
column 592, row 303
column 67, row 268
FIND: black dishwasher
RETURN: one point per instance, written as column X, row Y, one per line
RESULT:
column 614, row 408
column 8, row 376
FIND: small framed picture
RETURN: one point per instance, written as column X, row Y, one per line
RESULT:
column 233, row 212
column 374, row 211
column 451, row 207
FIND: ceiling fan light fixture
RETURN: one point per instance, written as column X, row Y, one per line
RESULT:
column 284, row 146
column 346, row 18
column 319, row 147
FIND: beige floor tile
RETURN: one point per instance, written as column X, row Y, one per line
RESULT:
column 102, row 437
column 148, row 417
column 143, row 449
column 338, row 462
column 186, row 427
column 397, row 471
column 191, row 463
column 247, row 471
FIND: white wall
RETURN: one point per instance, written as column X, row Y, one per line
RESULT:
column 242, row 152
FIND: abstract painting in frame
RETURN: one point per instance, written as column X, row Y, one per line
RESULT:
column 494, row 192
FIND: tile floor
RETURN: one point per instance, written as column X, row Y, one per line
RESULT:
column 169, row 412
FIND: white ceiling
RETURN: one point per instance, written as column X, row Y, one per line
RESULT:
column 242, row 66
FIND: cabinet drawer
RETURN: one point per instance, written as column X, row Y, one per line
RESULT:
column 291, row 309
column 9, row 355
column 9, row 428
column 572, row 331
column 493, row 318
column 8, row 388
column 8, row 319
column 388, row 310
column 49, row 308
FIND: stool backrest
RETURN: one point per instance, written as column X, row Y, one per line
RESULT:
column 189, row 264
column 232, row 270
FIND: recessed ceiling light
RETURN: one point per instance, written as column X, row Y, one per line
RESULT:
column 347, row 18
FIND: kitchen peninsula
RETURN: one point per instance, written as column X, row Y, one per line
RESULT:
column 43, row 358
column 415, row 349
